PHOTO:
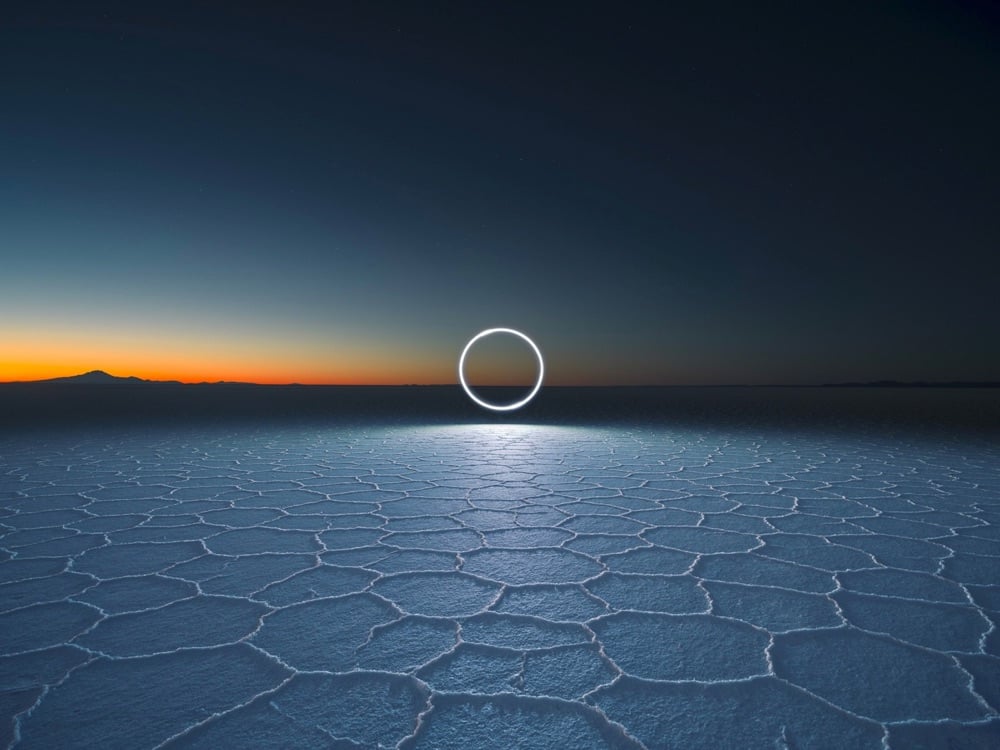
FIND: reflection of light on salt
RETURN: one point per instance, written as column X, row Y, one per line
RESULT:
column 489, row 431
column 508, row 445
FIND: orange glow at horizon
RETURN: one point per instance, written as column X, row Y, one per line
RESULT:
column 349, row 368
column 284, row 356
column 195, row 372
column 18, row 371
column 195, row 361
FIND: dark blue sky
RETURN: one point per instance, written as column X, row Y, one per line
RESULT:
column 347, row 192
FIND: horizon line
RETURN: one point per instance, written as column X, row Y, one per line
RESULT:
column 103, row 378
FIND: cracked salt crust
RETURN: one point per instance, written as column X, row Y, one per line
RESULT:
column 532, row 586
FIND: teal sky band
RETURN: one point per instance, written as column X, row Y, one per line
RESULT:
column 487, row 404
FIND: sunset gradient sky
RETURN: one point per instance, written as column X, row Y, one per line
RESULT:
column 346, row 193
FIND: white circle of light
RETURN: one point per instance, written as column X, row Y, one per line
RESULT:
column 487, row 404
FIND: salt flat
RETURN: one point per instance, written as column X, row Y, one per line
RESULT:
column 498, row 585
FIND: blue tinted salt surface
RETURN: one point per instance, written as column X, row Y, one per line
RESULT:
column 498, row 585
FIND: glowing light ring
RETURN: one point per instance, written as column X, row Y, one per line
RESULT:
column 487, row 404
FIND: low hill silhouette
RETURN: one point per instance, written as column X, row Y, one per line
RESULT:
column 98, row 377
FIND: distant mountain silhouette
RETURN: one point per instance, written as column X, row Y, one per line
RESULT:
column 99, row 377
